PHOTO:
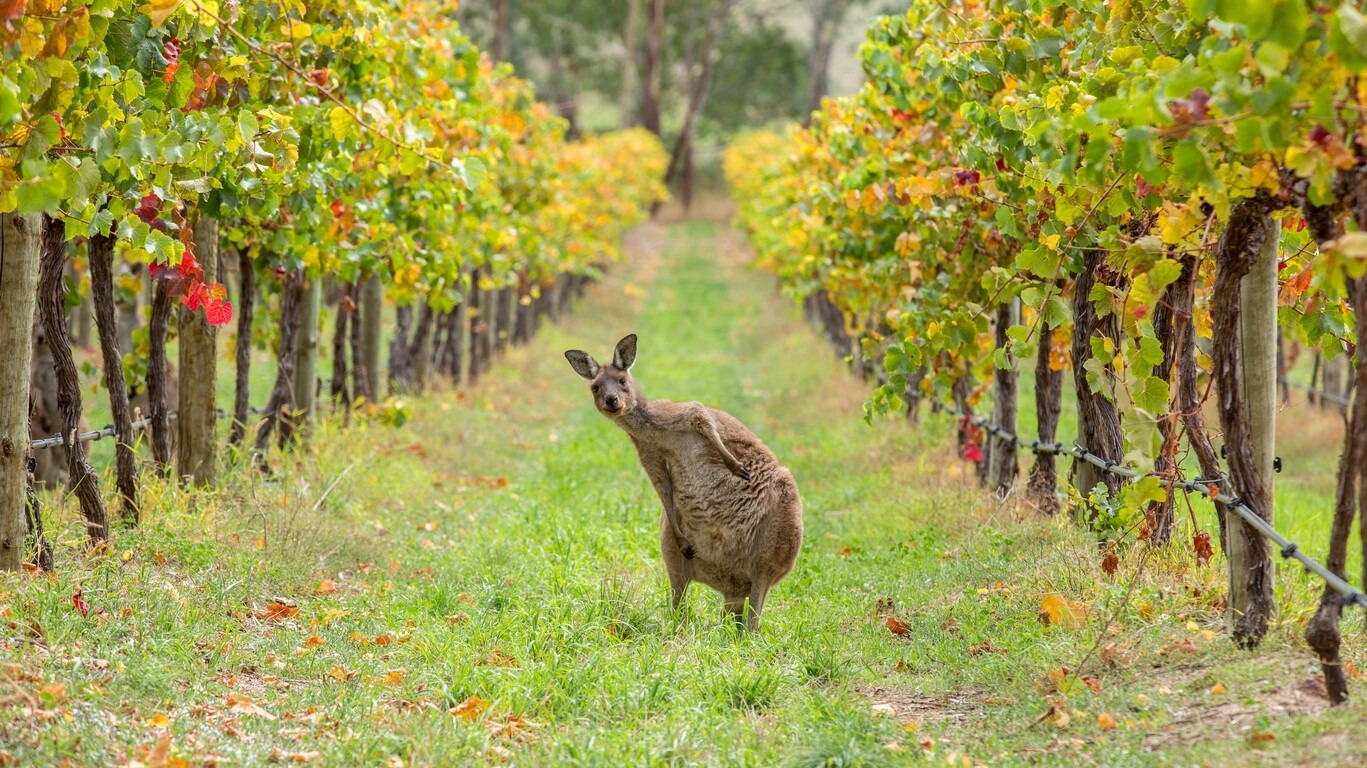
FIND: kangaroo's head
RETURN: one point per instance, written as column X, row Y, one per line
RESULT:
column 614, row 392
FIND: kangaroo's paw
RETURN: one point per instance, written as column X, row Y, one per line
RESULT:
column 741, row 472
column 689, row 552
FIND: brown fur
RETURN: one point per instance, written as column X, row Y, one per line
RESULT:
column 732, row 517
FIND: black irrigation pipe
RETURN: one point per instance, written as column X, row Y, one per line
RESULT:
column 87, row 437
column 1204, row 486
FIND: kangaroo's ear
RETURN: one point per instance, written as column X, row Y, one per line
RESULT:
column 582, row 362
column 625, row 354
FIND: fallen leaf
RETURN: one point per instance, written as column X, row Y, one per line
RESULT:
column 52, row 693
column 157, row 758
column 1105, row 722
column 1261, row 736
column 1057, row 715
column 245, row 705
column 1062, row 611
column 500, row 659
column 1217, row 688
column 278, row 611
column 80, row 604
column 885, row 710
column 470, row 709
column 326, row 587
column 896, row 627
column 458, row 618
column 393, row 677
column 342, row 673
column 985, row 647
column 313, row 642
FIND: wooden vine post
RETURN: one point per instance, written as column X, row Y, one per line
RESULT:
column 19, row 248
column 306, row 359
column 196, row 443
column 372, row 310
column 1241, row 247
column 1258, row 345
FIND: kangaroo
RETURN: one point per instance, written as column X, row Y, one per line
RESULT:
column 732, row 517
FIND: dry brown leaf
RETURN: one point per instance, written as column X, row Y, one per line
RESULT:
column 326, row 587
column 278, row 611
column 896, row 627
column 1059, row 610
column 470, row 709
column 1105, row 722
column 242, row 704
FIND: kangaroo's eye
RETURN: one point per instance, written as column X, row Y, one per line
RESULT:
column 594, row 388
column 623, row 382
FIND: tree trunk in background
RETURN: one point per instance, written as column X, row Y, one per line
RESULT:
column 626, row 101
column 372, row 321
column 196, row 434
column 1322, row 634
column 85, row 320
column 360, row 378
column 130, row 318
column 477, row 301
column 522, row 326
column 490, row 327
column 19, row 256
column 420, row 350
column 507, row 315
column 1332, row 382
column 346, row 306
column 1042, row 487
column 280, row 409
column 700, row 87
column 85, row 482
column 502, row 23
column 827, row 16
column 246, row 316
column 1005, row 468
column 306, row 357
column 101, row 260
column 400, row 367
column 653, row 66
column 455, row 340
column 1098, row 419
column 158, row 371
column 1310, row 395
column 1238, row 251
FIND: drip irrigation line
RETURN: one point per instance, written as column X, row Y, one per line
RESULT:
column 1209, row 487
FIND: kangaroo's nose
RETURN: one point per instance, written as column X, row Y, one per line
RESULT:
column 612, row 402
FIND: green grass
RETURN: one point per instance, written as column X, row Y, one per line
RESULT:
column 546, row 599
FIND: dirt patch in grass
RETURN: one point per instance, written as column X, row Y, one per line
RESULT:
column 906, row 704
column 1283, row 691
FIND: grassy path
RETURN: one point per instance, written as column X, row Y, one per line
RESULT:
column 498, row 556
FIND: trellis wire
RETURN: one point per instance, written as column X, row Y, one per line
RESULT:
column 87, row 437
column 1204, row 486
